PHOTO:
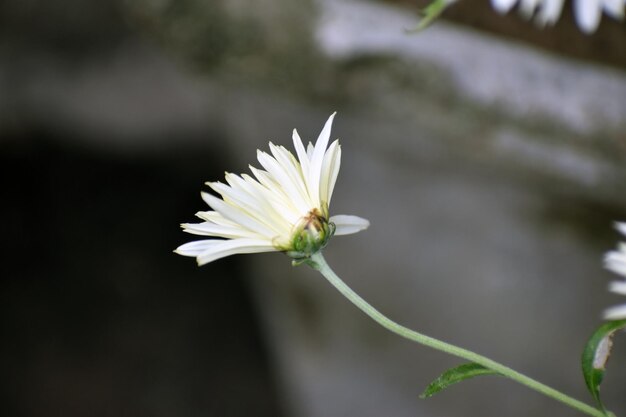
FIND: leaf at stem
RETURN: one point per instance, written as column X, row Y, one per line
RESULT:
column 454, row 375
column 595, row 356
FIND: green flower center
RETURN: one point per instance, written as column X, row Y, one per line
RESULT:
column 310, row 235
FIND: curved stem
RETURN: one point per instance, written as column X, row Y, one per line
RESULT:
column 318, row 262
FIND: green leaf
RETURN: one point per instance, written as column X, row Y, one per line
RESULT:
column 454, row 375
column 430, row 13
column 595, row 356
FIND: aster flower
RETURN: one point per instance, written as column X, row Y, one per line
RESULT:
column 616, row 262
column 284, row 207
column 587, row 12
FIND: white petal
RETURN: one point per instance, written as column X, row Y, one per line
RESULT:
column 309, row 151
column 503, row 6
column 195, row 248
column 617, row 267
column 265, row 179
column 244, row 197
column 279, row 206
column 527, row 7
column 317, row 159
column 223, row 248
column 210, row 250
column 330, row 170
column 281, row 177
column 254, row 196
column 215, row 217
column 615, row 313
column 346, row 224
column 587, row 14
column 293, row 169
column 237, row 215
column 299, row 147
column 616, row 262
column 236, row 196
column 212, row 229
column 302, row 157
column 273, row 211
column 614, row 8
column 272, row 188
column 618, row 287
column 621, row 227
column 550, row 12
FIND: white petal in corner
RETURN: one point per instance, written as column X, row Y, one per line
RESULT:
column 527, row 7
column 588, row 14
column 615, row 313
column 549, row 12
column 614, row 8
column 621, row 227
column 503, row 6
column 346, row 225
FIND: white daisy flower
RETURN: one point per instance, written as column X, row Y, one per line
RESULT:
column 587, row 12
column 284, row 207
column 616, row 262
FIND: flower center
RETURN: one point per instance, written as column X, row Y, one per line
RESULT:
column 310, row 235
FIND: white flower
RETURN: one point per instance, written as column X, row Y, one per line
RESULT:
column 284, row 208
column 616, row 262
column 587, row 12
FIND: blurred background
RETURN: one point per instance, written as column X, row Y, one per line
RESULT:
column 488, row 154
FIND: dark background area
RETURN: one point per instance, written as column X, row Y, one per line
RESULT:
column 100, row 318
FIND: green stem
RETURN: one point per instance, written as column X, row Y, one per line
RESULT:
column 318, row 262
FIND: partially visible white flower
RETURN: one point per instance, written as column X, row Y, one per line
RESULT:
column 283, row 208
column 616, row 262
column 547, row 12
